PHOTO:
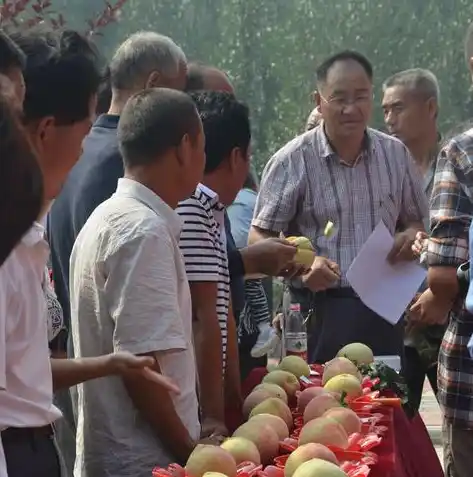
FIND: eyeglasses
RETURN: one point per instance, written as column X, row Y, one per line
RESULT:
column 341, row 102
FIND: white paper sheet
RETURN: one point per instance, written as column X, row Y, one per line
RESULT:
column 384, row 288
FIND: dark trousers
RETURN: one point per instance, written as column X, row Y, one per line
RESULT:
column 415, row 373
column 338, row 317
column 31, row 452
column 247, row 362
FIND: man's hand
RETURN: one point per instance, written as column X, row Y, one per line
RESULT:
column 268, row 257
column 211, row 428
column 430, row 310
column 402, row 248
column 277, row 323
column 419, row 243
column 322, row 275
column 125, row 363
column 215, row 440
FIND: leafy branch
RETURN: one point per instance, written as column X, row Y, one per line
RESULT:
column 29, row 13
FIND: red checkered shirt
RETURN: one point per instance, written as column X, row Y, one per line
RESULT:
column 451, row 211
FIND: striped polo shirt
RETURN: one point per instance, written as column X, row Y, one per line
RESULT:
column 203, row 245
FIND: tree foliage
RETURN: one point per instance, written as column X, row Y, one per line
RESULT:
column 270, row 48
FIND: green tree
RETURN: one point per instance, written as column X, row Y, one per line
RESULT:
column 270, row 48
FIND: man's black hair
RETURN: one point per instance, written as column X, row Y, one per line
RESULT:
column 11, row 55
column 226, row 123
column 347, row 55
column 152, row 122
column 104, row 95
column 62, row 74
column 195, row 76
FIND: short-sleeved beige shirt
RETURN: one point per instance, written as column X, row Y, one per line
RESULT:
column 129, row 292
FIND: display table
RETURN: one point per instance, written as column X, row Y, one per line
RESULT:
column 406, row 450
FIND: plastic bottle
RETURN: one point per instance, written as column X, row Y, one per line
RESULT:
column 294, row 332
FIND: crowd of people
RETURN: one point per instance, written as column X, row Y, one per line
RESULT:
column 136, row 233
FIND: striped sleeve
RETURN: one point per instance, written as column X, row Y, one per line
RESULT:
column 197, row 242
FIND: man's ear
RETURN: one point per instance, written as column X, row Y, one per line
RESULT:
column 433, row 108
column 184, row 150
column 154, row 80
column 41, row 133
column 317, row 99
column 234, row 159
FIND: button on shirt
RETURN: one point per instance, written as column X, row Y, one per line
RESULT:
column 451, row 211
column 129, row 292
column 203, row 244
column 26, row 390
column 305, row 185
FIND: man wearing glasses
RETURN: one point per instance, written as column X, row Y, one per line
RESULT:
column 343, row 172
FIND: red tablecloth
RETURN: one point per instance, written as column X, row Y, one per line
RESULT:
column 406, row 451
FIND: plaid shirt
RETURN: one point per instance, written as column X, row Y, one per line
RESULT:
column 305, row 185
column 451, row 211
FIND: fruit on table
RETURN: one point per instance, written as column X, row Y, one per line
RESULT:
column 345, row 383
column 242, row 450
column 307, row 395
column 276, row 422
column 318, row 406
column 358, row 353
column 324, row 430
column 286, row 380
column 263, row 436
column 275, row 407
column 295, row 365
column 338, row 366
column 319, row 468
column 305, row 252
column 253, row 399
column 346, row 417
column 329, row 229
column 207, row 458
column 307, row 452
column 274, row 389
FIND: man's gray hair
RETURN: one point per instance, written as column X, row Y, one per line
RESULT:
column 418, row 81
column 141, row 54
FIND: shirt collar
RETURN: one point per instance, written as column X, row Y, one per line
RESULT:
column 325, row 148
column 108, row 121
column 34, row 235
column 212, row 197
column 136, row 190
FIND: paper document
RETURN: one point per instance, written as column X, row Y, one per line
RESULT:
column 384, row 288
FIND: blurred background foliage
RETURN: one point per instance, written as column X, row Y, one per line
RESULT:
column 270, row 48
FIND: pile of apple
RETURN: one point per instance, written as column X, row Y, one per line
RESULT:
column 314, row 437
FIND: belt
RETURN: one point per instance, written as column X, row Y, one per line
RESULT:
column 16, row 434
column 344, row 292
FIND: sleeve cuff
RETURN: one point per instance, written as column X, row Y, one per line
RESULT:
column 151, row 346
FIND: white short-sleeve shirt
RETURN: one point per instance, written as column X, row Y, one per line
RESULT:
column 129, row 292
column 26, row 390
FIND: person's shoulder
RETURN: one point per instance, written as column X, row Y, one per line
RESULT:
column 197, row 204
column 462, row 142
column 379, row 137
column 121, row 220
column 297, row 147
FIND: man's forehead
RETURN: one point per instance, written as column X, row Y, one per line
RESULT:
column 396, row 94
